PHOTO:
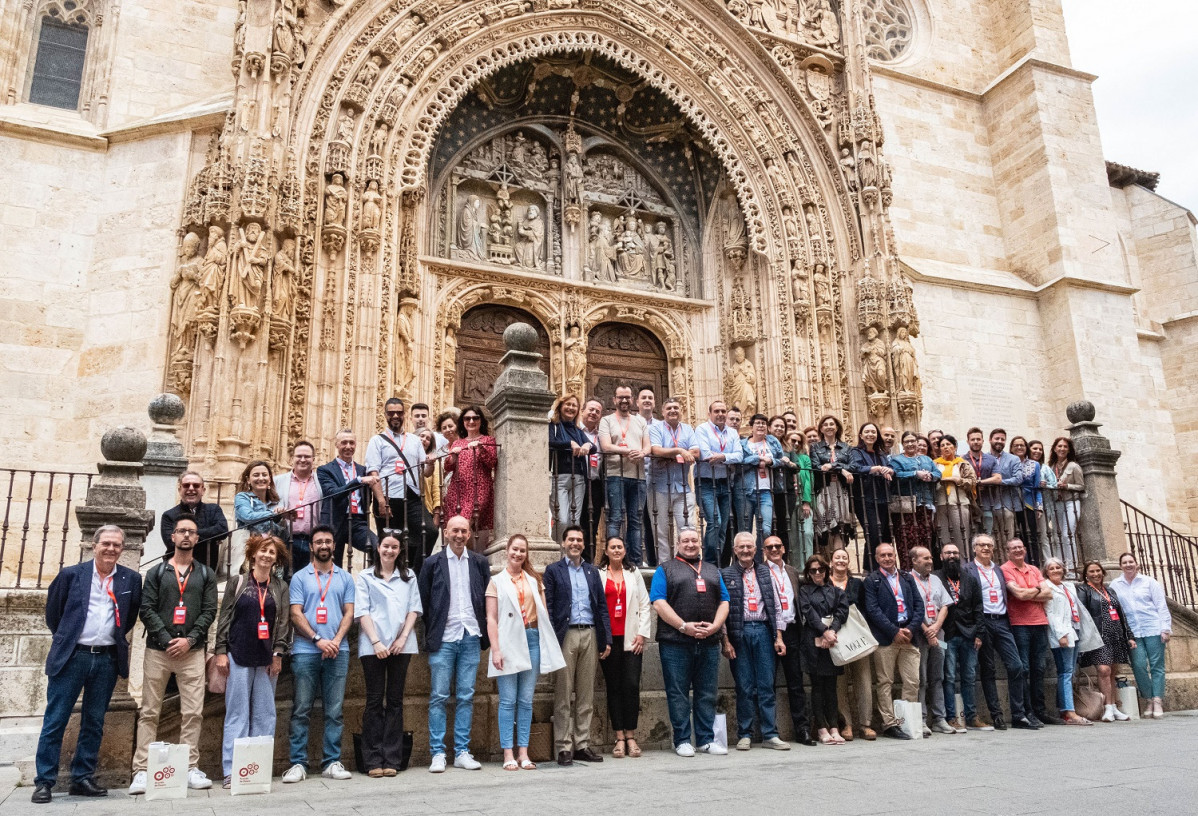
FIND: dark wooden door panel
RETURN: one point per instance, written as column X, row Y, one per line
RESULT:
column 480, row 348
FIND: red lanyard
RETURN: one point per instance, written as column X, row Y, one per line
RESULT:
column 981, row 571
column 751, row 582
column 182, row 582
column 261, row 590
column 324, row 589
column 689, row 564
column 106, row 584
column 927, row 592
column 955, row 586
column 674, row 433
column 623, row 430
column 896, row 588
column 719, row 437
column 1072, row 607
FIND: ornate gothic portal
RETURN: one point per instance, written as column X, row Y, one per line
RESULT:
column 690, row 193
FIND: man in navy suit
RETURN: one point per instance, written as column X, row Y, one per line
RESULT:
column 577, row 607
column 349, row 513
column 894, row 609
column 90, row 609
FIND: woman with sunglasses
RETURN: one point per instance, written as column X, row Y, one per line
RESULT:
column 824, row 608
column 860, row 699
column 471, row 461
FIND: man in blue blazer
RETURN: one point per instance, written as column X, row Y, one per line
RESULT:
column 349, row 513
column 90, row 609
column 577, row 606
column 894, row 609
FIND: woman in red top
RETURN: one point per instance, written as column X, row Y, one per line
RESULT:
column 472, row 459
column 628, row 611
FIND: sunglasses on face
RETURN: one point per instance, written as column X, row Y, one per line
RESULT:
column 773, row 546
column 393, row 413
column 814, row 570
column 470, row 419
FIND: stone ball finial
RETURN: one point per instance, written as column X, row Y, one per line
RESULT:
column 1081, row 411
column 166, row 409
column 520, row 337
column 123, row 444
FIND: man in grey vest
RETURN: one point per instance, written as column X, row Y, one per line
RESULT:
column 691, row 602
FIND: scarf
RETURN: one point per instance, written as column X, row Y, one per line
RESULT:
column 947, row 466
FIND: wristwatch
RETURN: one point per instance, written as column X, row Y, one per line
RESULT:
column 316, row 639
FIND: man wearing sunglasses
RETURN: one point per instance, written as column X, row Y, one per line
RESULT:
column 786, row 583
column 398, row 459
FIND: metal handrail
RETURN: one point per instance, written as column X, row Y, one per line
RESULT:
column 1164, row 553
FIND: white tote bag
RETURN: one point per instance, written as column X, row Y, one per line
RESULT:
column 253, row 759
column 166, row 771
column 721, row 731
column 911, row 718
column 854, row 640
column 1129, row 702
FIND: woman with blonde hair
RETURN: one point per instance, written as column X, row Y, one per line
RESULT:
column 568, row 452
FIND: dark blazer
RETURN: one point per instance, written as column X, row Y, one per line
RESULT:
column 815, row 604
column 882, row 612
column 1094, row 603
column 965, row 615
column 214, row 528
column 971, row 569
column 433, row 581
column 557, row 601
column 331, row 480
column 66, row 612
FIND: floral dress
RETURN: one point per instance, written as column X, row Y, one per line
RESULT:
column 471, row 492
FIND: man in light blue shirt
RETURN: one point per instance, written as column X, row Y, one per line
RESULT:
column 1002, row 498
column 674, row 449
column 719, row 447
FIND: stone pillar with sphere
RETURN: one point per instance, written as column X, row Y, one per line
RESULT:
column 1100, row 532
column 519, row 406
column 164, row 462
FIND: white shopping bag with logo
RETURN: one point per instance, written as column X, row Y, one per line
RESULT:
column 253, row 759
column 911, row 717
column 166, row 771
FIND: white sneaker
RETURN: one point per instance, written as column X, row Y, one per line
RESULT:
column 336, row 771
column 777, row 744
column 715, row 750
column 138, row 785
column 1117, row 714
column 438, row 764
column 744, row 744
column 466, row 762
column 295, row 773
column 197, row 780
column 685, row 750
column 942, row 727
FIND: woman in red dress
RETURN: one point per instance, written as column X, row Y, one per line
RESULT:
column 471, row 460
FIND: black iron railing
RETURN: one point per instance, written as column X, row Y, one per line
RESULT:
column 1162, row 552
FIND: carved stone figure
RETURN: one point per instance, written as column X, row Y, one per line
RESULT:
column 530, row 239
column 663, row 258
column 873, row 362
column 600, row 251
column 741, row 388
column 573, row 174
column 850, row 167
column 819, row 23
column 345, row 126
column 369, row 72
column 334, row 201
column 372, row 206
column 823, row 287
column 378, row 139
column 630, row 249
column 283, row 280
column 251, row 254
column 404, row 346
column 187, row 293
column 576, row 361
column 284, row 29
column 472, row 228
column 902, row 355
column 867, row 169
column 212, row 278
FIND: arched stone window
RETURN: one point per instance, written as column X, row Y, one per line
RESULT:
column 60, row 67
column 889, row 29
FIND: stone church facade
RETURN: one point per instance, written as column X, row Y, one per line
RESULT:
column 287, row 210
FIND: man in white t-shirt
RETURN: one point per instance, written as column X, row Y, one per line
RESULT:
column 936, row 601
column 399, row 460
column 624, row 440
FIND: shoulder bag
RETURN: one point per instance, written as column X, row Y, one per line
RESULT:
column 854, row 640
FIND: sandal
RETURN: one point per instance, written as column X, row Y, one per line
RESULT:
column 511, row 765
column 617, row 750
column 528, row 765
column 634, row 750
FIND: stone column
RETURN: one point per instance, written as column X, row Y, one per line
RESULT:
column 1100, row 523
column 117, row 497
column 519, row 406
column 164, row 462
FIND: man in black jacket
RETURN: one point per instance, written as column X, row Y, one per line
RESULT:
column 753, row 637
column 348, row 513
column 962, row 640
column 453, row 584
column 577, row 606
column 894, row 609
column 213, row 526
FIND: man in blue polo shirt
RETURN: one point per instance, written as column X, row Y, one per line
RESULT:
column 322, row 609
column 674, row 449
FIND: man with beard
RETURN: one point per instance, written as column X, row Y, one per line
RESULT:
column 962, row 638
column 936, row 603
column 1005, row 498
column 322, row 609
column 398, row 461
column 214, row 527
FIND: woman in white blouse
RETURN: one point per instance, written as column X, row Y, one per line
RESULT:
column 386, row 605
column 1064, row 628
column 1143, row 601
column 628, row 611
column 523, row 645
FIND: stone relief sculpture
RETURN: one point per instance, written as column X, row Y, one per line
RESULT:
column 405, row 344
column 251, row 254
column 335, row 197
column 530, row 239
column 212, row 279
column 472, row 230
column 741, row 382
column 283, row 280
column 601, row 251
column 576, row 361
column 873, row 359
column 378, row 139
column 902, row 354
column 661, row 250
column 819, row 24
column 372, row 206
column 630, row 248
column 185, row 302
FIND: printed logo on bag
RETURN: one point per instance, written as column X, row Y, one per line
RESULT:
column 164, row 774
column 249, row 770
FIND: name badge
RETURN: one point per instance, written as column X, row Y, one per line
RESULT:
column 299, row 512
column 752, row 604
column 594, row 460
column 901, row 606
column 785, row 603
column 399, row 468
column 994, row 596
column 618, row 612
column 263, row 630
column 180, row 616
column 678, row 459
column 700, row 585
column 931, row 612
column 1114, row 613
column 322, row 614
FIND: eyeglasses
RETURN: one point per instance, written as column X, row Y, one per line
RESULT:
column 393, row 413
column 187, row 532
column 471, row 419
column 773, row 546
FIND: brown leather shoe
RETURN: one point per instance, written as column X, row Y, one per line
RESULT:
column 587, row 755
column 846, row 733
column 564, row 758
column 868, row 733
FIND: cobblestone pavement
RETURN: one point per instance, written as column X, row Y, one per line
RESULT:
column 1145, row 767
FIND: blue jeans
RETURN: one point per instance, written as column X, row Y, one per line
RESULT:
column 960, row 659
column 93, row 675
column 761, row 508
column 686, row 667
column 453, row 661
column 997, row 641
column 715, row 503
column 742, row 511
column 753, row 673
column 515, row 696
column 249, row 707
column 626, row 500
column 1148, row 665
column 313, row 671
column 1066, row 659
column 1032, row 642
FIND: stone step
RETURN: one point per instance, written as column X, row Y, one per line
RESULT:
column 18, row 738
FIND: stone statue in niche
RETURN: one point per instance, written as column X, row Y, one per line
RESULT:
column 405, row 369
column 823, row 287
column 472, row 229
column 334, row 201
column 873, row 362
column 630, row 248
column 573, row 174
column 819, row 23
column 345, row 126
column 187, row 292
column 372, row 206
column 251, row 254
column 576, row 361
column 212, row 278
column 740, row 308
column 283, row 282
column 369, row 72
column 849, row 165
column 501, row 228
column 867, row 169
column 284, row 29
column 530, row 239
column 740, row 388
column 662, row 252
column 600, row 249
column 378, row 139
column 902, row 355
